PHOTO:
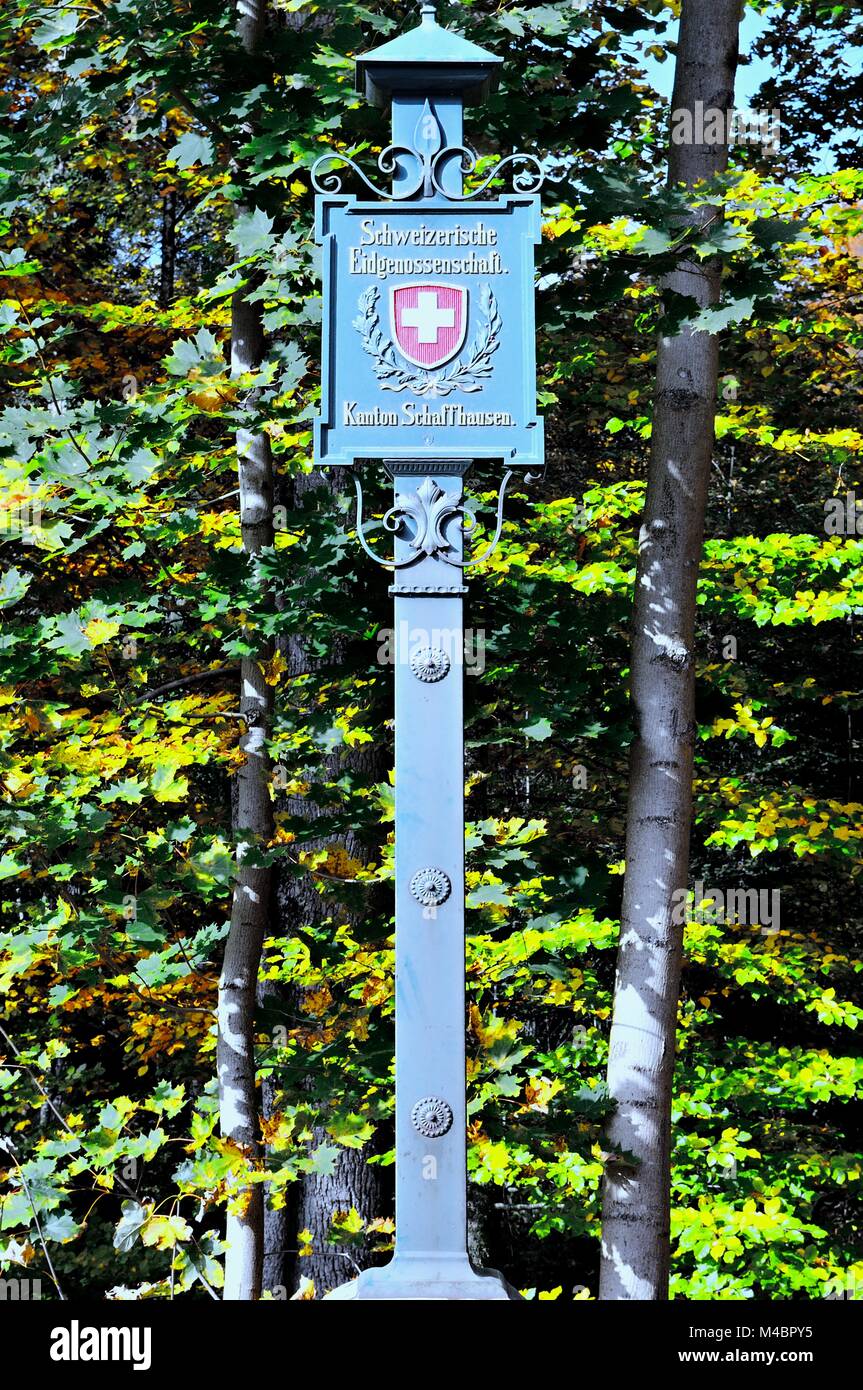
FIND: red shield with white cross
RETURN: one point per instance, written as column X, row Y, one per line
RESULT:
column 429, row 322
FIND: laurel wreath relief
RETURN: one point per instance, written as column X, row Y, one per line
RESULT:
column 467, row 373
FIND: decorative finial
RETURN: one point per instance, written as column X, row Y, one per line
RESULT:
column 428, row 12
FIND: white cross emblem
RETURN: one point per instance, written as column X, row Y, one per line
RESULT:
column 428, row 318
column 428, row 322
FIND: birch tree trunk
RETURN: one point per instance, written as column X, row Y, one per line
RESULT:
column 636, row 1218
column 250, row 910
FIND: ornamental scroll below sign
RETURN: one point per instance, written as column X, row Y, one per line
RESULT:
column 428, row 333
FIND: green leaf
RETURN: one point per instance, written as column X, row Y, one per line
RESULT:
column 57, row 28
column 654, row 242
column 9, row 867
column 322, row 1160
column 191, row 149
column 488, row 894
column 60, row 1227
column 13, row 587
column 252, row 233
column 352, row 1131
column 71, row 640
column 540, row 730
column 130, row 1225
column 201, row 353
column 713, row 320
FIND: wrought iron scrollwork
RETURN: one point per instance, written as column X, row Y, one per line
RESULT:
column 391, row 521
column 428, row 158
column 528, row 181
column 472, row 524
column 427, row 515
column 387, row 163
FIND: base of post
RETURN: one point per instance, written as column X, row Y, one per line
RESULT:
column 450, row 1279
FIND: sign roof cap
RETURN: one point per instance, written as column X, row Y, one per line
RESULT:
column 435, row 60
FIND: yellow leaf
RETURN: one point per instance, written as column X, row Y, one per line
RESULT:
column 99, row 631
column 165, row 1231
column 317, row 1001
column 273, row 669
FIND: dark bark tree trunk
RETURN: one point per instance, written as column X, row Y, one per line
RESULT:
column 278, row 1225
column 168, row 260
column 250, row 910
column 635, row 1245
column 354, row 1183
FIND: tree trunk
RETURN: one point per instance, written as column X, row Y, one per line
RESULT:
column 636, row 1217
column 250, row 910
column 277, row 1220
column 168, row 260
column 353, row 1183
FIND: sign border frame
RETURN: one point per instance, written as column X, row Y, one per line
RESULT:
column 533, row 422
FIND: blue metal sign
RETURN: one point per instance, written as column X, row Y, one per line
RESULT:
column 428, row 333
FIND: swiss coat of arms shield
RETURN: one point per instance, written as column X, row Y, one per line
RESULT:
column 429, row 322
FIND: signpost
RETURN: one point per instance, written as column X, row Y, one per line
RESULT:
column 429, row 366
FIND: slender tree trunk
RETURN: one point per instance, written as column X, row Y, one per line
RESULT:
column 636, row 1219
column 250, row 911
column 278, row 1224
column 167, row 268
